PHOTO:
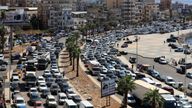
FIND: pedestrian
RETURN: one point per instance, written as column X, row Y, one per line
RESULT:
column 117, row 45
column 132, row 66
column 153, row 67
column 164, row 42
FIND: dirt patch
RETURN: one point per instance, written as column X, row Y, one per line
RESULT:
column 85, row 86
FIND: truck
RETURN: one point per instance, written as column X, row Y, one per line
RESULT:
column 30, row 79
column 143, row 87
column 94, row 67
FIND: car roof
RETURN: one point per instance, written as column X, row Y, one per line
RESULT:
column 62, row 94
column 50, row 96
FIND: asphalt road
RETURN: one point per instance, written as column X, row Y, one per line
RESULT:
column 165, row 70
column 38, row 73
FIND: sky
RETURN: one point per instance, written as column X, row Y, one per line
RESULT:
column 181, row 1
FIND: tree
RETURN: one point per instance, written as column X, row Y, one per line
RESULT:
column 70, row 46
column 3, row 16
column 153, row 98
column 2, row 38
column 77, row 51
column 125, row 85
column 35, row 22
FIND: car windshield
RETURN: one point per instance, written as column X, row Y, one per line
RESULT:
column 170, row 80
column 51, row 99
column 130, row 98
column 33, row 90
column 62, row 97
column 38, row 104
column 20, row 101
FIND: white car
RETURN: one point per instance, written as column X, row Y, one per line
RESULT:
column 40, row 79
column 61, row 98
column 50, row 101
column 42, row 86
column 56, row 73
column 1, row 56
column 130, row 99
column 33, row 90
column 163, row 61
column 104, row 70
column 19, row 102
column 54, row 68
column 169, row 80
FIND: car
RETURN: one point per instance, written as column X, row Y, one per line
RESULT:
column 130, row 99
column 2, row 62
column 38, row 104
column 14, row 94
column 33, row 90
column 64, row 87
column 180, row 69
column 169, row 89
column 45, row 93
column 181, row 98
column 156, row 59
column 1, row 56
column 123, row 52
column 76, row 98
column 55, row 89
column 42, row 86
column 49, row 81
column 47, row 75
column 187, row 51
column 169, row 80
column 3, row 67
column 15, row 79
column 34, row 97
column 179, row 50
column 124, row 45
column 40, row 79
column 163, row 61
column 56, row 73
column 189, row 75
column 178, row 85
column 19, row 102
column 61, row 98
column 51, row 101
column 132, row 60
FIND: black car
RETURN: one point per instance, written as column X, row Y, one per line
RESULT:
column 45, row 93
column 180, row 70
column 187, row 51
column 123, row 52
column 156, row 59
column 132, row 60
column 124, row 45
column 2, row 62
column 171, row 40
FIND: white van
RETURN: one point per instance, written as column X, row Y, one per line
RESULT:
column 69, row 104
column 149, row 80
column 85, row 104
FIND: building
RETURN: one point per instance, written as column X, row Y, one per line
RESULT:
column 13, row 3
column 32, row 3
column 132, row 11
column 149, row 1
column 165, row 4
column 113, row 4
column 150, row 12
column 50, row 11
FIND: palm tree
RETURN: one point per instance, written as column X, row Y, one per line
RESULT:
column 153, row 98
column 125, row 85
column 70, row 46
column 78, row 51
column 2, row 38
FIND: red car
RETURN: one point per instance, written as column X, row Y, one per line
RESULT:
column 38, row 104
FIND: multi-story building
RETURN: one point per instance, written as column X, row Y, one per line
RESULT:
column 165, row 4
column 58, row 13
column 50, row 11
column 32, row 3
column 150, row 12
column 13, row 3
column 113, row 4
column 132, row 11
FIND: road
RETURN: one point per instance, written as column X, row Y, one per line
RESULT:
column 162, row 69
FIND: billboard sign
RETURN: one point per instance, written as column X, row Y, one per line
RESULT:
column 107, row 87
column 17, row 16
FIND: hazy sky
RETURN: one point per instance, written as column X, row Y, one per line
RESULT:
column 181, row 1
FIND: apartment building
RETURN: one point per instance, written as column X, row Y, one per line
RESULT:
column 32, row 3
column 50, row 11
column 13, row 3
column 165, row 4
column 113, row 4
column 132, row 11
column 150, row 12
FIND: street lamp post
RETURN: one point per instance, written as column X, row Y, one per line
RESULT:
column 136, row 39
